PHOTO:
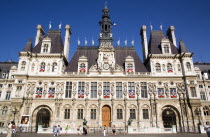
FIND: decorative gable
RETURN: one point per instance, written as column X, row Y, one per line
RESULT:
column 46, row 45
column 165, row 46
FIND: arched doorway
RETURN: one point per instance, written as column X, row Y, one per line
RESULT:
column 106, row 116
column 169, row 118
column 43, row 118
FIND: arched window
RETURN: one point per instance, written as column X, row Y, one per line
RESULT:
column 203, row 96
column 4, row 110
column 23, row 65
column 54, row 67
column 169, row 67
column 206, row 111
column 166, row 48
column 45, row 48
column 158, row 67
column 42, row 67
column 188, row 66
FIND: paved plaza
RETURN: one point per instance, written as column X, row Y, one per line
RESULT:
column 118, row 135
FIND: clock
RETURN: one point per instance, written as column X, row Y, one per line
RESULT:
column 106, row 66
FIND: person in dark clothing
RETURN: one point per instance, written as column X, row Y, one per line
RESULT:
column 84, row 131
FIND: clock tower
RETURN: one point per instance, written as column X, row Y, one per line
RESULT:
column 106, row 59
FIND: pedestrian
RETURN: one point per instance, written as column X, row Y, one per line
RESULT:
column 114, row 130
column 13, row 127
column 84, row 131
column 104, row 130
column 55, row 131
column 207, row 128
column 67, row 128
column 9, row 130
column 59, row 130
column 78, row 130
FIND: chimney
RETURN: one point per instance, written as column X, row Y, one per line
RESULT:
column 39, row 34
column 171, row 35
column 144, row 41
column 67, row 42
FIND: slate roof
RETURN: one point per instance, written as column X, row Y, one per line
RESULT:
column 56, row 42
column 92, row 54
column 28, row 47
column 154, row 46
column 204, row 67
column 6, row 66
column 182, row 47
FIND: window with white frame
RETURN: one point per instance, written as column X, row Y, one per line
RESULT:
column 68, row 91
column 4, row 110
column 67, row 113
column 119, row 93
column 132, row 113
column 206, row 111
column 145, row 114
column 144, row 93
column 188, row 66
column 203, row 96
column 119, row 114
column 93, row 92
column 23, row 65
column 54, row 67
column 8, row 94
column 166, row 48
column 158, row 67
column 80, row 114
column 193, row 91
column 93, row 113
column 45, row 48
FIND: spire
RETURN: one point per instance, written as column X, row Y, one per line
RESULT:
column 28, row 47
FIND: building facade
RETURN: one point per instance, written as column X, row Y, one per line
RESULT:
column 105, row 84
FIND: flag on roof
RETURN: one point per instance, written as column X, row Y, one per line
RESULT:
column 114, row 24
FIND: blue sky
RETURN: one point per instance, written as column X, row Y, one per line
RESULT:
column 19, row 18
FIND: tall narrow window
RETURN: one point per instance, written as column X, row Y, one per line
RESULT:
column 144, row 93
column 145, row 114
column 45, row 48
column 4, row 110
column 93, row 114
column 193, row 92
column 80, row 114
column 132, row 113
column 23, row 65
column 166, row 48
column 8, row 94
column 206, row 111
column 93, row 93
column 188, row 66
column 157, row 67
column 54, row 67
column 203, row 96
column 67, row 114
column 68, row 90
column 119, row 90
column 106, row 89
column 119, row 114
column 169, row 67
column 131, row 89
column 42, row 67
column 81, row 90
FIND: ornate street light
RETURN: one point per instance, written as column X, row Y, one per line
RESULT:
column 15, row 111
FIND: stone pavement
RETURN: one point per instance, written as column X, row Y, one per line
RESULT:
column 118, row 135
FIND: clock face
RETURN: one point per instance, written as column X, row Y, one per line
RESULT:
column 106, row 66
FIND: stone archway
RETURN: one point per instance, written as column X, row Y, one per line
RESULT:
column 106, row 116
column 169, row 118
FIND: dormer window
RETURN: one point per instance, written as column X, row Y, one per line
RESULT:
column 46, row 45
column 42, row 67
column 158, row 67
column 188, row 66
column 129, row 68
column 166, row 48
column 45, row 48
column 23, row 65
column 82, row 67
column 54, row 67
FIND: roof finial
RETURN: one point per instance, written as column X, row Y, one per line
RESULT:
column 118, row 42
column 161, row 26
column 85, row 41
column 78, row 42
column 60, row 25
column 105, row 4
column 126, row 42
column 92, row 42
column 151, row 26
column 50, row 26
column 132, row 42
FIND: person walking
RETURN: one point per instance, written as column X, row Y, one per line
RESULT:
column 59, row 130
column 55, row 131
column 114, row 130
column 207, row 128
column 104, row 128
column 13, row 127
column 9, row 130
column 66, row 129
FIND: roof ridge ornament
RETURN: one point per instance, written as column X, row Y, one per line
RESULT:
column 50, row 26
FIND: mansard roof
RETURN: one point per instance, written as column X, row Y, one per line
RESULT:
column 56, row 42
column 204, row 67
column 182, row 47
column 91, row 52
column 154, row 46
column 6, row 66
column 28, row 47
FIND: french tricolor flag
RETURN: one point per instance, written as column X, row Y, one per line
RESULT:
column 114, row 24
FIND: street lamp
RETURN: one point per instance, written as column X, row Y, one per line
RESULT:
column 15, row 112
column 198, row 113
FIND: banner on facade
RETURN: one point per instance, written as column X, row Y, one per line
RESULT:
column 131, row 94
column 106, row 94
column 51, row 93
column 160, row 93
column 82, row 69
column 173, row 93
column 24, row 122
column 39, row 93
column 129, row 69
column 81, row 94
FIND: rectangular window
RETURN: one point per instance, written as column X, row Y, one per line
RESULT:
column 119, row 114
column 81, row 90
column 93, row 90
column 19, row 88
column 68, row 91
column 144, row 90
column 106, row 89
column 131, row 89
column 9, row 85
column 80, row 114
column 93, row 114
column 67, row 114
column 1, row 85
column 145, row 114
column 193, row 92
column 119, row 93
column 1, row 124
column 132, row 113
column 200, row 86
column 8, row 94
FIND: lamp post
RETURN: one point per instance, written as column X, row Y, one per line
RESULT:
column 15, row 111
column 198, row 113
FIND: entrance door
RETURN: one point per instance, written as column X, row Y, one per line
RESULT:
column 106, row 116
column 169, row 118
column 43, row 118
